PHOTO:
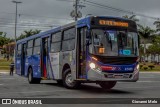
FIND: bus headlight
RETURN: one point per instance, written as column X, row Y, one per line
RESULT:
column 92, row 65
column 137, row 67
column 95, row 67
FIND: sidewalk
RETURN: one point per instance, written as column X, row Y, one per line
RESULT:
column 4, row 71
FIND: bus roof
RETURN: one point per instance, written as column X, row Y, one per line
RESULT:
column 39, row 35
column 81, row 22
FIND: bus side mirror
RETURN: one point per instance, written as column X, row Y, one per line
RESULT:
column 88, row 38
column 87, row 41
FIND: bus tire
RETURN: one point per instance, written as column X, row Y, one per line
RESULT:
column 68, row 82
column 32, row 80
column 60, row 82
column 108, row 84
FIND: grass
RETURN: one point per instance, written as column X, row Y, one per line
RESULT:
column 4, row 64
column 4, row 68
column 145, row 65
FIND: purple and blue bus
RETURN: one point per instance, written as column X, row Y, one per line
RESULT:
column 96, row 49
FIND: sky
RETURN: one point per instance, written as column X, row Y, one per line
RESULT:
column 47, row 14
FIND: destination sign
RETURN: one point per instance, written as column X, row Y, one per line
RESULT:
column 113, row 23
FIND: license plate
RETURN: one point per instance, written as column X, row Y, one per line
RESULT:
column 118, row 76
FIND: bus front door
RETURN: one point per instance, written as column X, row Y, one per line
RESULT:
column 44, row 57
column 81, row 62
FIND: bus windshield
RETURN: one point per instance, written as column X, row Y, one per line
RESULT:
column 113, row 43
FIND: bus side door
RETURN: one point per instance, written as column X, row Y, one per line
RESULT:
column 18, row 59
column 23, row 58
column 44, row 56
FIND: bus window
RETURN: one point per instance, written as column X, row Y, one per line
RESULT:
column 114, row 43
column 19, row 46
column 29, row 48
column 36, row 50
column 37, row 42
column 56, row 42
column 56, row 37
column 30, row 44
column 69, row 34
column 68, row 45
column 68, row 42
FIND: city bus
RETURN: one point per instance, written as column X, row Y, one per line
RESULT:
column 95, row 49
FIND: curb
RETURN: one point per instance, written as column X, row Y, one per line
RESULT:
column 156, row 72
column 4, row 72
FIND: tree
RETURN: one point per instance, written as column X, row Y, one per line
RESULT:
column 4, row 40
column 157, row 23
column 141, row 52
column 154, row 49
column 36, row 31
column 146, row 34
column 133, row 17
column 28, row 33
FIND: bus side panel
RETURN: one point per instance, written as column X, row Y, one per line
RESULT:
column 73, row 64
column 69, row 58
column 28, row 64
column 36, row 66
column 18, row 65
column 54, row 60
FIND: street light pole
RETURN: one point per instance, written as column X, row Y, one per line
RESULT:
column 76, row 9
column 16, row 2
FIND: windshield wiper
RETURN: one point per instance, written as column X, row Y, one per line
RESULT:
column 110, row 43
column 108, row 39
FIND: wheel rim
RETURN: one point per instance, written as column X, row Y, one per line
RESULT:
column 69, row 80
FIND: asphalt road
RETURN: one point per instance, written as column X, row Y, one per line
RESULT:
column 15, row 86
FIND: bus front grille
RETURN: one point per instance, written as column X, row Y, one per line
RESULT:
column 116, row 60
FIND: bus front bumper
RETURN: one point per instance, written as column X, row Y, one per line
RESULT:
column 94, row 75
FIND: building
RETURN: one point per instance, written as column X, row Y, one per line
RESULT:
column 9, row 48
column 149, row 57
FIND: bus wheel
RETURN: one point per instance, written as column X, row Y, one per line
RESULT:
column 108, row 84
column 68, row 81
column 59, row 82
column 32, row 80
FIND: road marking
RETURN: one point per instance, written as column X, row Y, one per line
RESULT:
column 34, row 92
column 154, row 87
column 1, row 84
column 140, row 82
column 148, row 81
